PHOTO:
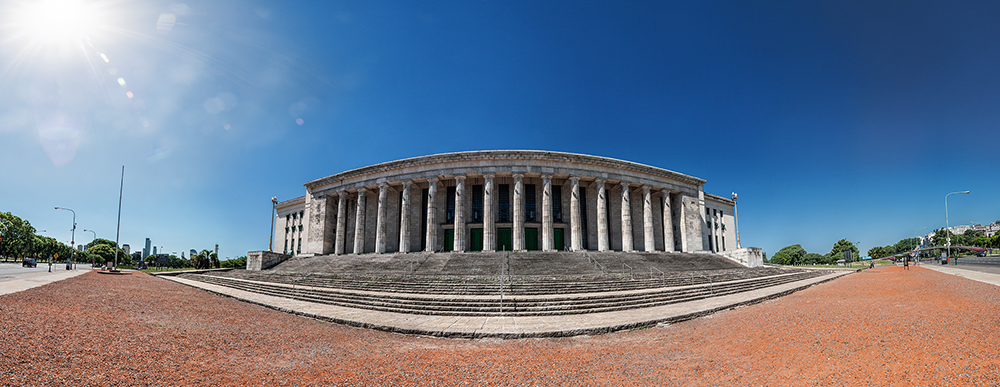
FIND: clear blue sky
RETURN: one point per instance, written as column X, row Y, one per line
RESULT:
column 830, row 119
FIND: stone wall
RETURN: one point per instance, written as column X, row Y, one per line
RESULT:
column 263, row 260
column 747, row 256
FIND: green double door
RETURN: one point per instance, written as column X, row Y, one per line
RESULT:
column 557, row 239
column 505, row 239
column 476, row 237
column 531, row 238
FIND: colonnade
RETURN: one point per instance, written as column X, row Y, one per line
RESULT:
column 517, row 224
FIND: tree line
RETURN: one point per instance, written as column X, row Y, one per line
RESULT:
column 796, row 255
column 18, row 239
column 940, row 238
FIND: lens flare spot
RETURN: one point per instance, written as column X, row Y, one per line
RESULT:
column 165, row 23
column 129, row 94
column 145, row 123
column 105, row 57
column 121, row 81
column 299, row 121
column 225, row 126
column 158, row 154
column 113, row 70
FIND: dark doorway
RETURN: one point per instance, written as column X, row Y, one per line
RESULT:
column 531, row 238
column 505, row 242
column 449, row 240
column 476, row 237
column 558, row 242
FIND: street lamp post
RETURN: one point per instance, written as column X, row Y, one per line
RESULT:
column 274, row 203
column 736, row 220
column 92, row 232
column 72, row 243
column 947, row 229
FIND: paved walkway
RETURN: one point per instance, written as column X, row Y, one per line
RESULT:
column 966, row 271
column 15, row 279
column 512, row 327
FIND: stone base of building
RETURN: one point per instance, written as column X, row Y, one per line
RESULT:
column 263, row 260
column 747, row 256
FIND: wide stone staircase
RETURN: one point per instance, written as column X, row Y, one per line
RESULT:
column 504, row 295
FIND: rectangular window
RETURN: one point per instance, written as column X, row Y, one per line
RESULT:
column 449, row 213
column 293, row 244
column 557, row 204
column 285, row 250
column 503, row 196
column 477, row 204
column 300, row 246
column 529, row 203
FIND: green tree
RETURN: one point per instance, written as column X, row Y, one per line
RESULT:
column 940, row 237
column 237, row 263
column 789, row 255
column 904, row 245
column 16, row 235
column 812, row 258
column 837, row 252
column 205, row 260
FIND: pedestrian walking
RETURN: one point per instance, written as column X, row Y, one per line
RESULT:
column 906, row 262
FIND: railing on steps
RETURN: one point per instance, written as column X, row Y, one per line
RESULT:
column 597, row 265
column 504, row 269
column 631, row 272
column 663, row 276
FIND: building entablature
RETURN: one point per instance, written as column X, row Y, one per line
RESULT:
column 531, row 164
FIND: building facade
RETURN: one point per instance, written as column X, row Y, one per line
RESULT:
column 504, row 200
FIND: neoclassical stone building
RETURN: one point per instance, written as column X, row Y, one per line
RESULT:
column 504, row 200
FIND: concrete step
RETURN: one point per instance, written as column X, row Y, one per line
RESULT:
column 490, row 284
column 497, row 305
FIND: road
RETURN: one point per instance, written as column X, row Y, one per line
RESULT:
column 15, row 278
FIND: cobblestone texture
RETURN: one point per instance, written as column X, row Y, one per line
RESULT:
column 881, row 327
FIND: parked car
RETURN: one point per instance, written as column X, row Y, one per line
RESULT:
column 981, row 254
column 29, row 262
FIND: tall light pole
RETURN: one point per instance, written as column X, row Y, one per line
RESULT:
column 274, row 203
column 736, row 219
column 72, row 243
column 947, row 229
column 92, row 232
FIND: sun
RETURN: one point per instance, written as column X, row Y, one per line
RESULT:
column 58, row 20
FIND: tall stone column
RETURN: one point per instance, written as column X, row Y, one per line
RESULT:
column 575, row 225
column 682, row 213
column 359, row 223
column 710, row 222
column 489, row 223
column 432, row 226
column 404, row 219
column 648, row 238
column 626, row 219
column 668, row 223
column 459, row 214
column 547, row 239
column 380, row 226
column 518, row 212
column 602, row 217
column 341, row 223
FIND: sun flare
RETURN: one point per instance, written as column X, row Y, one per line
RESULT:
column 59, row 20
